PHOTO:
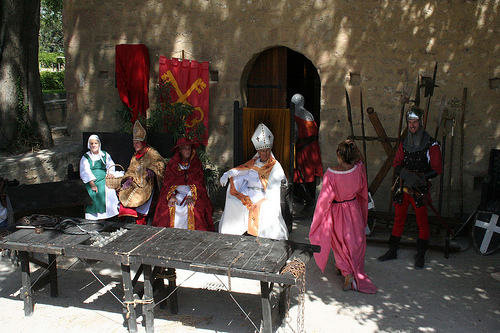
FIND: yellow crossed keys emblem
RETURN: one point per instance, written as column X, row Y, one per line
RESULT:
column 197, row 85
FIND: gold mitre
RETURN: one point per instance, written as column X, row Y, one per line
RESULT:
column 139, row 132
column 262, row 138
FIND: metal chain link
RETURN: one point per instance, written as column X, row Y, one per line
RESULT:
column 298, row 269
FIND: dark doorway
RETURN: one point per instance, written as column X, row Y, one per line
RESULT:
column 277, row 74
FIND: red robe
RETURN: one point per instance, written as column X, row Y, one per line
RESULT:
column 200, row 215
column 308, row 153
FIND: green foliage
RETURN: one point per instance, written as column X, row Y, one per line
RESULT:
column 167, row 116
column 211, row 173
column 52, row 80
column 51, row 36
column 27, row 138
column 125, row 114
column 50, row 59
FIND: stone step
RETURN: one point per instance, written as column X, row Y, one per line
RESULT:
column 60, row 135
column 59, row 132
column 47, row 165
column 55, row 110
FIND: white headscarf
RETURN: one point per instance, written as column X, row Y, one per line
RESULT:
column 99, row 153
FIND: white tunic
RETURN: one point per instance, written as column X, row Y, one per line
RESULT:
column 181, row 208
column 111, row 197
column 234, row 220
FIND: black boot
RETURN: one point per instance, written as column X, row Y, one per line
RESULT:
column 422, row 246
column 392, row 253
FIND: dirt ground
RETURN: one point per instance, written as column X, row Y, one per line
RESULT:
column 456, row 294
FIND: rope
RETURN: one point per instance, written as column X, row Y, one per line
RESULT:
column 134, row 303
column 238, row 304
column 99, row 280
column 175, row 289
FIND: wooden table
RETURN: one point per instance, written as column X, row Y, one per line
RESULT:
column 247, row 257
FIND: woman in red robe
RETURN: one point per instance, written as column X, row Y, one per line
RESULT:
column 183, row 201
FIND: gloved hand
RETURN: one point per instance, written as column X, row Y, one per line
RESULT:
column 127, row 183
column 225, row 177
column 151, row 174
column 411, row 179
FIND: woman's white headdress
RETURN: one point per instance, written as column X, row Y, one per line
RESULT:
column 95, row 137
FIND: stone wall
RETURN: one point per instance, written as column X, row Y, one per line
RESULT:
column 386, row 44
column 48, row 165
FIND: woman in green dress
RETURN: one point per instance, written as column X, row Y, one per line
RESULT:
column 93, row 167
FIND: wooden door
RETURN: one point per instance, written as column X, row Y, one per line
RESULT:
column 267, row 81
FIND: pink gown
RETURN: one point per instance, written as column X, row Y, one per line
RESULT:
column 339, row 224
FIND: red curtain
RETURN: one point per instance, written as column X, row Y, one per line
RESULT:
column 132, row 77
column 189, row 79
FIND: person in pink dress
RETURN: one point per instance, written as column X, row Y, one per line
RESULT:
column 340, row 219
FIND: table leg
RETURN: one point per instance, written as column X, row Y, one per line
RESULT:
column 128, row 290
column 26, row 293
column 174, row 305
column 447, row 245
column 54, row 291
column 283, row 303
column 265, row 291
column 148, row 309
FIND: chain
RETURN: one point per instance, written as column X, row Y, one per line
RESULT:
column 298, row 269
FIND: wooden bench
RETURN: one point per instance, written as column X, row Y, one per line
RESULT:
column 246, row 257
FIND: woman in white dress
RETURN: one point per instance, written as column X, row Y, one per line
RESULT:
column 253, row 195
column 93, row 167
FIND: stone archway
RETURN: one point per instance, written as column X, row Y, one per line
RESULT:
column 277, row 74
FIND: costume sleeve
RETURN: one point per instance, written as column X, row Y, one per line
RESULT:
column 158, row 167
column 321, row 226
column 325, row 198
column 160, row 171
column 273, row 191
column 85, row 173
column 239, row 178
column 362, row 196
column 110, row 164
column 397, row 164
column 435, row 158
column 131, row 168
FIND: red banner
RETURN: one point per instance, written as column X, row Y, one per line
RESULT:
column 132, row 77
column 189, row 80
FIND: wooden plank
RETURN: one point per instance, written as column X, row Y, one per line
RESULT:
column 26, row 292
column 50, row 241
column 236, row 256
column 16, row 236
column 377, row 125
column 54, row 287
column 148, row 309
column 265, row 291
column 128, row 291
column 384, row 169
column 271, row 258
column 118, row 250
column 131, row 240
column 200, row 242
column 253, row 261
column 166, row 246
column 217, row 250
